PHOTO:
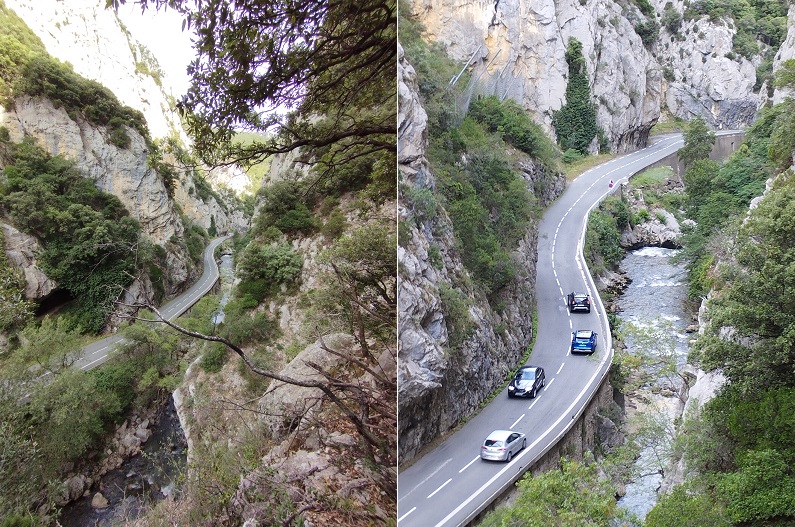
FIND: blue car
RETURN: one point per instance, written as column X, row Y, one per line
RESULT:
column 583, row 341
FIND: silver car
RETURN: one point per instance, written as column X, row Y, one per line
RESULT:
column 502, row 445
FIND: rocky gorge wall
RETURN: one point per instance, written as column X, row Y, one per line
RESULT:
column 518, row 51
column 96, row 43
column 440, row 384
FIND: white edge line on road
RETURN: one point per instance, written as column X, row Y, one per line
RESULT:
column 409, row 512
column 509, row 466
column 468, row 465
column 517, row 421
column 92, row 362
column 440, row 488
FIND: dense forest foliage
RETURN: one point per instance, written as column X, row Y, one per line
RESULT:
column 91, row 246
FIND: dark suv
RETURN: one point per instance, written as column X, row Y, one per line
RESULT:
column 583, row 341
column 527, row 382
column 579, row 302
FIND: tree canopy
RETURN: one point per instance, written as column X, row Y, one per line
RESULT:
column 306, row 74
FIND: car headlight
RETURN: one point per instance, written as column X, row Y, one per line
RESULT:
column 511, row 388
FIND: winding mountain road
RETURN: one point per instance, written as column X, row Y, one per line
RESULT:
column 451, row 485
column 98, row 352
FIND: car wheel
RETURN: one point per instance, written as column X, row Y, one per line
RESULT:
column 524, row 443
column 588, row 310
column 510, row 455
column 533, row 393
column 510, row 395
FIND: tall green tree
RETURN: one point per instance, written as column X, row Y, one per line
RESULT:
column 575, row 122
column 699, row 140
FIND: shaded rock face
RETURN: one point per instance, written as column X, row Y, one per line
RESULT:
column 438, row 385
column 21, row 250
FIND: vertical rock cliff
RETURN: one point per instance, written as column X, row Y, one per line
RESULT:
column 636, row 76
column 439, row 384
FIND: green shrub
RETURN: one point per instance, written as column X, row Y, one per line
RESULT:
column 421, row 201
column 455, row 306
column 435, row 257
column 645, row 7
column 404, row 233
column 328, row 205
column 213, row 359
column 602, row 241
column 118, row 378
column 642, row 216
column 253, row 291
column 648, row 31
column 296, row 220
column 572, row 156
column 273, row 265
column 515, row 125
column 335, row 225
column 671, row 18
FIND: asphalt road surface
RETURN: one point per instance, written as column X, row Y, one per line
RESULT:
column 450, row 485
column 98, row 352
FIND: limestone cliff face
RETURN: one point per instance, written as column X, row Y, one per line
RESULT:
column 785, row 52
column 705, row 77
column 520, row 48
column 122, row 172
column 438, row 386
column 94, row 41
column 518, row 51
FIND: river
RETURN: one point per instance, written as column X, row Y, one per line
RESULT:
column 150, row 476
column 655, row 302
column 143, row 479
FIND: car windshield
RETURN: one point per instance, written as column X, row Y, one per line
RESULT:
column 493, row 442
column 583, row 335
column 526, row 375
column 580, row 298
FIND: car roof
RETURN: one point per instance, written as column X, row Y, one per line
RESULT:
column 581, row 295
column 499, row 435
column 583, row 333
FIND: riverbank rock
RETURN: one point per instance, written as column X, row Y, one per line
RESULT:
column 73, row 488
column 99, row 501
column 661, row 230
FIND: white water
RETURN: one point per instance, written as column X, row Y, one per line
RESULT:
column 654, row 301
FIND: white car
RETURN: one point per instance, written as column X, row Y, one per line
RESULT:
column 502, row 445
